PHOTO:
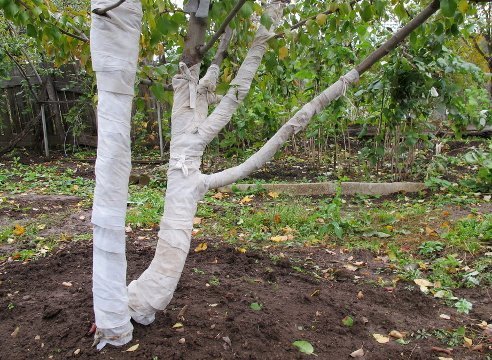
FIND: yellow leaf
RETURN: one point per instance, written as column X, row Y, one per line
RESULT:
column 283, row 52
column 430, row 232
column 396, row 334
column 279, row 238
column 381, row 338
column 321, row 19
column 218, row 196
column 197, row 221
column 201, row 247
column 463, row 6
column 467, row 342
column 133, row 348
column 246, row 199
column 423, row 282
column 273, row 194
column 177, row 325
column 41, row 226
column 241, row 250
column 19, row 230
column 277, row 219
column 75, row 187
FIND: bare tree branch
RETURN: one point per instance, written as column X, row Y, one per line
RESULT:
column 23, row 73
column 223, row 45
column 78, row 37
column 104, row 11
column 222, row 28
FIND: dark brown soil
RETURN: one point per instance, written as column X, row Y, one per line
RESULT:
column 218, row 321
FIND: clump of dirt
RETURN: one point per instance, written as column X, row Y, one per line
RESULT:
column 42, row 317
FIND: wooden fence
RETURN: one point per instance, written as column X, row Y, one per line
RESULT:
column 21, row 102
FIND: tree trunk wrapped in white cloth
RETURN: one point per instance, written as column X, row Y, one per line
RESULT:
column 114, row 49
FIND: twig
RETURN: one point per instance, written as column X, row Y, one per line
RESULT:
column 302, row 22
column 103, row 11
column 223, row 45
column 222, row 28
column 23, row 73
column 84, row 39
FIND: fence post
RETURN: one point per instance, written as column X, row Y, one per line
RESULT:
column 159, row 122
column 45, row 132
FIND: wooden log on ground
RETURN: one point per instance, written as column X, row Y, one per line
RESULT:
column 330, row 188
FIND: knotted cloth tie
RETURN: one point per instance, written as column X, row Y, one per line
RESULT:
column 192, row 83
column 180, row 164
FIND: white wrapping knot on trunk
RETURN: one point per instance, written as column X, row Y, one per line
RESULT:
column 192, row 82
column 179, row 162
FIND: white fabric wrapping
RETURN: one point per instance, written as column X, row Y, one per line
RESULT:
column 298, row 122
column 114, row 50
column 191, row 131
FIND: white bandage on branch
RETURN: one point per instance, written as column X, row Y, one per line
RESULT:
column 186, row 185
column 298, row 122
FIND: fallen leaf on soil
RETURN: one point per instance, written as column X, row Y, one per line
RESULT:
column 350, row 267
column 277, row 219
column 357, row 353
column 348, row 321
column 467, row 342
column 76, row 352
column 182, row 340
column 241, row 250
column 381, row 338
column 304, row 346
column 19, row 230
column 201, row 247
column 246, row 199
column 281, row 238
column 15, row 332
column 424, row 284
column 478, row 348
column 197, row 220
column 67, row 284
column 133, row 348
column 273, row 194
column 445, row 317
column 360, row 295
column 218, row 196
column 227, row 340
column 128, row 229
column 430, row 232
column 396, row 334
column 177, row 325
column 37, row 337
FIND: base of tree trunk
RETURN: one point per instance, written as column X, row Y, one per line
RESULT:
column 329, row 188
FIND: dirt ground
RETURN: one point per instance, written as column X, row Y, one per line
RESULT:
column 218, row 323
column 41, row 318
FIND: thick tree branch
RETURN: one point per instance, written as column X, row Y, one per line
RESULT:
column 195, row 37
column 300, row 120
column 222, row 28
column 104, row 11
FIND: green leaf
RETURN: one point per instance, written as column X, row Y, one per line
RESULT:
column 366, row 11
column 256, row 306
column 31, row 30
column 304, row 346
column 266, row 20
column 348, row 321
column 463, row 306
column 338, row 230
column 158, row 91
column 448, row 7
column 246, row 10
